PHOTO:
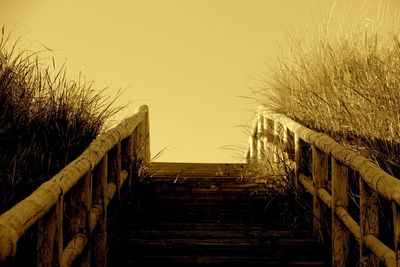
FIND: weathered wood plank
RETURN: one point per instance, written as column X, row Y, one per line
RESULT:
column 146, row 128
column 100, row 233
column 260, row 137
column 115, row 168
column 340, row 241
column 50, row 236
column 298, row 148
column 368, row 223
column 320, row 177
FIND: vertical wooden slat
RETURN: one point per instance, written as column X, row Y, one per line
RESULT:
column 50, row 236
column 320, row 169
column 79, row 214
column 146, row 127
column 298, row 148
column 265, row 134
column 253, row 142
column 340, row 241
column 368, row 223
column 260, row 139
column 276, row 141
column 140, row 143
column 114, row 167
column 396, row 224
column 129, row 154
column 100, row 234
column 285, row 141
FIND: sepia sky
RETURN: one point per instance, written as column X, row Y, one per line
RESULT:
column 189, row 60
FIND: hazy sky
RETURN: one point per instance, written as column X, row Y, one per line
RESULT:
column 187, row 59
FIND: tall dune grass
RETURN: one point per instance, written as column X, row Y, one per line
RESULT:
column 46, row 120
column 345, row 81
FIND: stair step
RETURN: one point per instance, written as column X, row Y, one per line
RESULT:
column 256, row 226
column 203, row 234
column 208, row 214
column 264, row 261
column 223, row 261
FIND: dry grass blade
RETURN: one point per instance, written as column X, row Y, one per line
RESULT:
column 46, row 120
column 343, row 81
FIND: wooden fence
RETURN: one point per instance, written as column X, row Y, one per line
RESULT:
column 73, row 204
column 330, row 162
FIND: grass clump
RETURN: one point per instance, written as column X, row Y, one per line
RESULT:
column 46, row 120
column 344, row 81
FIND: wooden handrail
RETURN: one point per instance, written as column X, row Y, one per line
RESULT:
column 373, row 182
column 83, row 189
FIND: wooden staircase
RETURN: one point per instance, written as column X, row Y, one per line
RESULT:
column 206, row 214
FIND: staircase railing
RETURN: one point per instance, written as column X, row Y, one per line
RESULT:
column 283, row 135
column 73, row 204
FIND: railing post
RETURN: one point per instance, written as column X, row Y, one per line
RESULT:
column 320, row 176
column 146, row 128
column 340, row 241
column 50, row 236
column 80, row 204
column 368, row 223
column 114, row 168
column 265, row 134
column 100, row 233
column 260, row 139
column 298, row 148
column 276, row 141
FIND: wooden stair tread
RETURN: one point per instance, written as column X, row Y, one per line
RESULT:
column 206, row 214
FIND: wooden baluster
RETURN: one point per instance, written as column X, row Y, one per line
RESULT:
column 285, row 141
column 130, row 158
column 50, row 236
column 276, row 141
column 253, row 142
column 265, row 134
column 396, row 224
column 100, row 233
column 146, row 129
column 260, row 139
column 340, row 239
column 320, row 168
column 140, row 143
column 368, row 223
column 114, row 168
column 80, row 220
column 270, row 131
column 298, row 148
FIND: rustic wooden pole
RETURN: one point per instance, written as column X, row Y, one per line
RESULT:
column 129, row 154
column 298, row 148
column 265, row 134
column 139, row 143
column 368, row 223
column 260, row 139
column 114, row 167
column 340, row 239
column 276, row 141
column 79, row 214
column 285, row 141
column 146, row 128
column 253, row 147
column 396, row 224
column 270, row 130
column 100, row 234
column 50, row 236
column 320, row 174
